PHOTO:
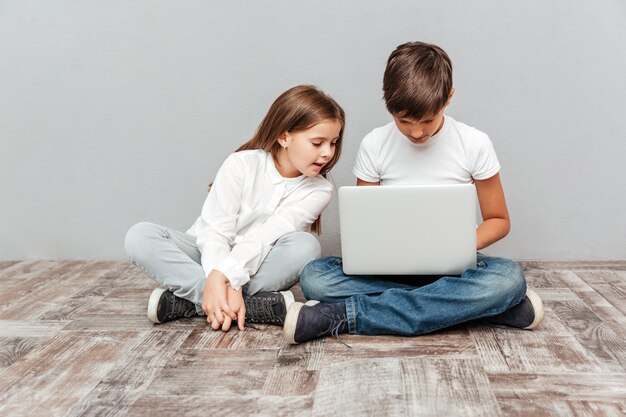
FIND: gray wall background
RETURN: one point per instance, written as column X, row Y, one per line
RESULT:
column 113, row 112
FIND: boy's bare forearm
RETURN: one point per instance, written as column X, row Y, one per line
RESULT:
column 490, row 231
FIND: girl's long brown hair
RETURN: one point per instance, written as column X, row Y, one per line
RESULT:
column 296, row 110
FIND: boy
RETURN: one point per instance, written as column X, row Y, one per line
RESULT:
column 420, row 146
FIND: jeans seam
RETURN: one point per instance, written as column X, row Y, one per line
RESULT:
column 172, row 237
column 351, row 315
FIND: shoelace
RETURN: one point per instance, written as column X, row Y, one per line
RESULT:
column 333, row 328
column 259, row 310
column 182, row 308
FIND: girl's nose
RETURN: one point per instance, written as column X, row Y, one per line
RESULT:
column 327, row 150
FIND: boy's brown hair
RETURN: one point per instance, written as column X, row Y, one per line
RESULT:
column 417, row 81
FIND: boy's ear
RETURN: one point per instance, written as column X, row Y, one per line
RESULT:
column 450, row 96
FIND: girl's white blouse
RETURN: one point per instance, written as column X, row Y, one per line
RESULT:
column 249, row 207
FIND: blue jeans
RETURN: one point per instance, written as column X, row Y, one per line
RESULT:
column 172, row 259
column 406, row 305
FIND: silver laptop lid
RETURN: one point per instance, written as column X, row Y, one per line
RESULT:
column 408, row 230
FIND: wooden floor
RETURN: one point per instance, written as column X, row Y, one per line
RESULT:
column 74, row 340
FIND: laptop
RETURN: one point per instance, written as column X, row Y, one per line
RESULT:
column 408, row 229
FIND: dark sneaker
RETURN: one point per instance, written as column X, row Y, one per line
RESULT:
column 526, row 315
column 268, row 307
column 164, row 306
column 309, row 321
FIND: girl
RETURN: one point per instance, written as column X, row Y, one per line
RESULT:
column 251, row 240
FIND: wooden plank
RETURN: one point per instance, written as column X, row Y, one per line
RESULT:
column 450, row 387
column 541, row 278
column 30, row 328
column 549, row 348
column 88, row 294
column 289, row 382
column 214, row 373
column 130, row 321
column 450, row 342
column 124, row 383
column 13, row 349
column 359, row 387
column 263, row 337
column 58, row 373
column 131, row 276
column 610, row 315
column 54, row 289
column 7, row 264
column 119, row 301
column 23, row 269
column 555, row 407
column 151, row 405
column 592, row 277
column 307, row 356
column 204, row 337
column 29, row 277
column 609, row 285
column 619, row 265
column 606, row 348
column 575, row 386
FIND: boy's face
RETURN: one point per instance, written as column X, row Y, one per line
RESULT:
column 420, row 131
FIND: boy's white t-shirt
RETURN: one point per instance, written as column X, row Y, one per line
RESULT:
column 457, row 154
column 249, row 207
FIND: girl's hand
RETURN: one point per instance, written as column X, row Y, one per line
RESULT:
column 238, row 306
column 215, row 300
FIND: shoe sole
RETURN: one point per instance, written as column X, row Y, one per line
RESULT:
column 153, row 304
column 537, row 304
column 291, row 320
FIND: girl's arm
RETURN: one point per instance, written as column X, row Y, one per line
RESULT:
column 496, row 223
column 247, row 256
column 215, row 236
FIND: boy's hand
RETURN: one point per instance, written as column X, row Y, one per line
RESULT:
column 237, row 305
column 215, row 300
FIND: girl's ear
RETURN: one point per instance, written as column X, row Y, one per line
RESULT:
column 282, row 140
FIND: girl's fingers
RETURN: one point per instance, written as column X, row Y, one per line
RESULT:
column 219, row 316
column 215, row 325
column 228, row 311
column 241, row 318
column 226, row 325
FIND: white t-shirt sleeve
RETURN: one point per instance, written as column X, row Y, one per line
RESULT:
column 482, row 158
column 218, row 220
column 366, row 166
column 246, row 257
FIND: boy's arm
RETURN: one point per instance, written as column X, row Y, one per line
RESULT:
column 496, row 223
column 361, row 182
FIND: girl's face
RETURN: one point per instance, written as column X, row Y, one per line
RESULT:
column 306, row 152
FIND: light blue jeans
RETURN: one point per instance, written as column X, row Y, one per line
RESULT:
column 406, row 305
column 172, row 259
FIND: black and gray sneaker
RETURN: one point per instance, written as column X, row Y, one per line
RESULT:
column 313, row 319
column 164, row 306
column 268, row 307
column 528, row 314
